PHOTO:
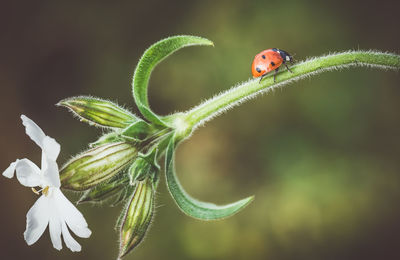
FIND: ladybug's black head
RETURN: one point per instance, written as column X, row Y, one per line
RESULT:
column 285, row 56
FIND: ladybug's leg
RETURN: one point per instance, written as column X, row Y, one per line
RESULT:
column 287, row 67
column 276, row 71
column 262, row 77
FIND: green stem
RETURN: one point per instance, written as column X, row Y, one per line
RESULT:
column 252, row 88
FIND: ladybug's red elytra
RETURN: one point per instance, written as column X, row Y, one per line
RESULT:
column 269, row 60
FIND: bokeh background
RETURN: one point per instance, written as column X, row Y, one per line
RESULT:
column 321, row 157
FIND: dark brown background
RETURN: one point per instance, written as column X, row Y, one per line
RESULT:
column 322, row 157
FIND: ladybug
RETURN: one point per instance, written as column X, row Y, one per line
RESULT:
column 269, row 60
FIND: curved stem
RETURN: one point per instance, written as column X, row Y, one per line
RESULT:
column 251, row 88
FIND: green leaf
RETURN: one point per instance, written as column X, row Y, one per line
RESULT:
column 112, row 137
column 152, row 56
column 191, row 206
column 137, row 131
column 99, row 112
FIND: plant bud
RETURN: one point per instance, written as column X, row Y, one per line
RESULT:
column 139, row 170
column 137, row 217
column 99, row 112
column 96, row 165
column 105, row 191
column 144, row 166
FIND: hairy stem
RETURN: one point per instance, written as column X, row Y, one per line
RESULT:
column 251, row 88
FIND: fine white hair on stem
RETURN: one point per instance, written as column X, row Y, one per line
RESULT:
column 239, row 94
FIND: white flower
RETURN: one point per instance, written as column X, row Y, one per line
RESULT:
column 52, row 208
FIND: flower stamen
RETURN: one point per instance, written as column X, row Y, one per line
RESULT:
column 37, row 192
column 44, row 191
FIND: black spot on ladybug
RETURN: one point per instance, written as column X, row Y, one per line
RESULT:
column 263, row 57
column 258, row 70
column 272, row 63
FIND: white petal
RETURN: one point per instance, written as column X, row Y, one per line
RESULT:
column 74, row 219
column 51, row 176
column 70, row 242
column 28, row 174
column 55, row 229
column 9, row 172
column 37, row 219
column 51, row 148
column 50, row 152
column 33, row 130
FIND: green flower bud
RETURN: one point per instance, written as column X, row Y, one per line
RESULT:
column 111, row 137
column 126, row 194
column 104, row 191
column 96, row 165
column 137, row 217
column 139, row 170
column 99, row 112
column 144, row 166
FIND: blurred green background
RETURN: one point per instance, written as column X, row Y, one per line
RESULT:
column 321, row 157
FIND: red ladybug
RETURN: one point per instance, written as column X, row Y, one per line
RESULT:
column 269, row 60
